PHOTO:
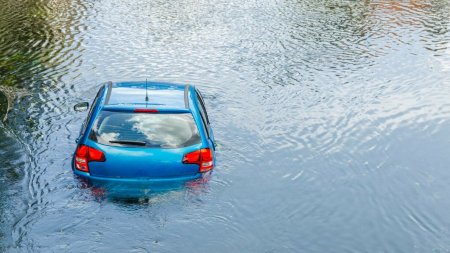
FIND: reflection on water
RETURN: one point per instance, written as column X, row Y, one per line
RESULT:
column 331, row 116
column 13, row 164
column 142, row 190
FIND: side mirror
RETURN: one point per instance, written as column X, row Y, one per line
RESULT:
column 80, row 107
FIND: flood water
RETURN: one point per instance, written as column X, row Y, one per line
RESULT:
column 332, row 119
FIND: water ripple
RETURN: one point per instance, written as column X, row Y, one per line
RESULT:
column 331, row 117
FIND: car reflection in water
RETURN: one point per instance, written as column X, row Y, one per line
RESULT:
column 143, row 189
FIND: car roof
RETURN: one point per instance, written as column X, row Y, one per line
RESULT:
column 133, row 94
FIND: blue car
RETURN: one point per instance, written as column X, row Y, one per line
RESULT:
column 144, row 131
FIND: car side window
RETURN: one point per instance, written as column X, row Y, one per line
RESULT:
column 91, row 110
column 203, row 114
column 202, row 106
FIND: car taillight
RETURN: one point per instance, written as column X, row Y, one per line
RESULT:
column 86, row 154
column 202, row 157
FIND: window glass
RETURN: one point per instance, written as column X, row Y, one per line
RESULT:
column 94, row 103
column 203, row 113
column 160, row 130
column 202, row 105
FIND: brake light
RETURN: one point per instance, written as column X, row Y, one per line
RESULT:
column 86, row 154
column 202, row 157
column 143, row 110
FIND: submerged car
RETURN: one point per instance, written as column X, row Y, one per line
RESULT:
column 138, row 131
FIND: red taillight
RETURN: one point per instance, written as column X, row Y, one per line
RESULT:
column 96, row 155
column 143, row 110
column 202, row 157
column 86, row 154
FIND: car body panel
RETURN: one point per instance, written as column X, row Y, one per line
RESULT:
column 141, row 162
column 159, row 94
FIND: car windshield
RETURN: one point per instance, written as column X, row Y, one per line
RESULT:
column 158, row 130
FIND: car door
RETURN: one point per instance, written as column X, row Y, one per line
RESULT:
column 205, row 119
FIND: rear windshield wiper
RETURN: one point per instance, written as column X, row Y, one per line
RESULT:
column 137, row 143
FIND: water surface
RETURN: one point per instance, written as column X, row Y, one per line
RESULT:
column 332, row 119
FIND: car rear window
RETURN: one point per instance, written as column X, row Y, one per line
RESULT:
column 156, row 130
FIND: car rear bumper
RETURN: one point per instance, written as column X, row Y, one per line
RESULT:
column 137, row 187
column 137, row 180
